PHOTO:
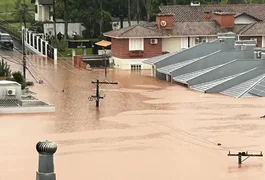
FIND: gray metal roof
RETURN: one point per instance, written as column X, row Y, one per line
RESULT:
column 247, row 95
column 168, row 69
column 186, row 77
column 156, row 59
column 259, row 89
column 172, row 67
column 205, row 86
column 243, row 88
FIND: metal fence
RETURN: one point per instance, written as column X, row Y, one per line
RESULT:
column 50, row 51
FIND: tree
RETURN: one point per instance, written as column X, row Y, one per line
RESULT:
column 148, row 8
column 22, row 12
column 4, row 69
column 65, row 19
column 129, row 12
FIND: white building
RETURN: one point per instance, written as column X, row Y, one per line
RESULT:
column 43, row 10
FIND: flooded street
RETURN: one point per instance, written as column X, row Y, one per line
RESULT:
column 144, row 129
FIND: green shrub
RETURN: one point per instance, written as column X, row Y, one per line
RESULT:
column 18, row 77
column 4, row 69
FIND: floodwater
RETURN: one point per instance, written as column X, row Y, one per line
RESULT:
column 144, row 129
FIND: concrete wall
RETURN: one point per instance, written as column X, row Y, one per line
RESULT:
column 171, row 44
column 126, row 63
column 235, row 81
column 210, row 61
column 227, row 70
column 27, row 110
column 72, row 27
column 4, row 89
column 117, row 24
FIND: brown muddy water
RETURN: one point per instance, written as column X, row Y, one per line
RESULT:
column 145, row 129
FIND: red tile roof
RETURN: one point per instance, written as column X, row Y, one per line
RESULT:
column 187, row 13
column 135, row 31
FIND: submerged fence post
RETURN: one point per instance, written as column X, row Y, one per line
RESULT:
column 46, row 149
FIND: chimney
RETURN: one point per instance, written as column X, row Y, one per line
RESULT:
column 207, row 15
column 165, row 21
column 225, row 19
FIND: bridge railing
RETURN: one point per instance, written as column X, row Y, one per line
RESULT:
column 36, row 42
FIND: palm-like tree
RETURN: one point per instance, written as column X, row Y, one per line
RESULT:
column 22, row 12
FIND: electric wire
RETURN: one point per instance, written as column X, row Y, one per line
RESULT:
column 177, row 130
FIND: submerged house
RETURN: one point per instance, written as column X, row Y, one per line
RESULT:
column 179, row 27
column 13, row 100
column 226, row 65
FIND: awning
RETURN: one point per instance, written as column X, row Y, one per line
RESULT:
column 103, row 43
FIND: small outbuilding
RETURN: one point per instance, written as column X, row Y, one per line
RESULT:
column 10, row 90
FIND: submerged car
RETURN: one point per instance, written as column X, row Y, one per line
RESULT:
column 6, row 41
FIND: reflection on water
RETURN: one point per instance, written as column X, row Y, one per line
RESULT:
column 143, row 129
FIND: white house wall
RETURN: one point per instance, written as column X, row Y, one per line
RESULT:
column 72, row 27
column 244, row 19
column 126, row 63
column 38, row 9
column 171, row 44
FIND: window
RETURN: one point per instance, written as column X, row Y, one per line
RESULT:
column 136, row 44
column 199, row 40
column 184, row 42
column 136, row 67
column 36, row 9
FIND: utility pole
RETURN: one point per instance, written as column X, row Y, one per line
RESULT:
column 54, row 21
column 101, row 18
column 244, row 154
column 97, row 96
column 105, row 57
column 24, row 53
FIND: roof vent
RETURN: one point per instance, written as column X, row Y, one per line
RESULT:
column 195, row 3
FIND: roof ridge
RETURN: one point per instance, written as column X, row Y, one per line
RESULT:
column 201, row 5
column 129, row 29
column 247, row 27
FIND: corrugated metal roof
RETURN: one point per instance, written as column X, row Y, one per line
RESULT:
column 243, row 88
column 156, row 59
column 205, row 86
column 247, row 95
column 259, row 89
column 172, row 67
column 168, row 69
column 186, row 77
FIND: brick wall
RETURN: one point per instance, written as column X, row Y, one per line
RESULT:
column 169, row 20
column 120, row 49
column 225, row 20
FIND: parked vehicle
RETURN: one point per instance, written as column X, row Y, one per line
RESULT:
column 6, row 42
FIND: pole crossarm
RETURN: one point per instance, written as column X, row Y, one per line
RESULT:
column 244, row 154
column 97, row 96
